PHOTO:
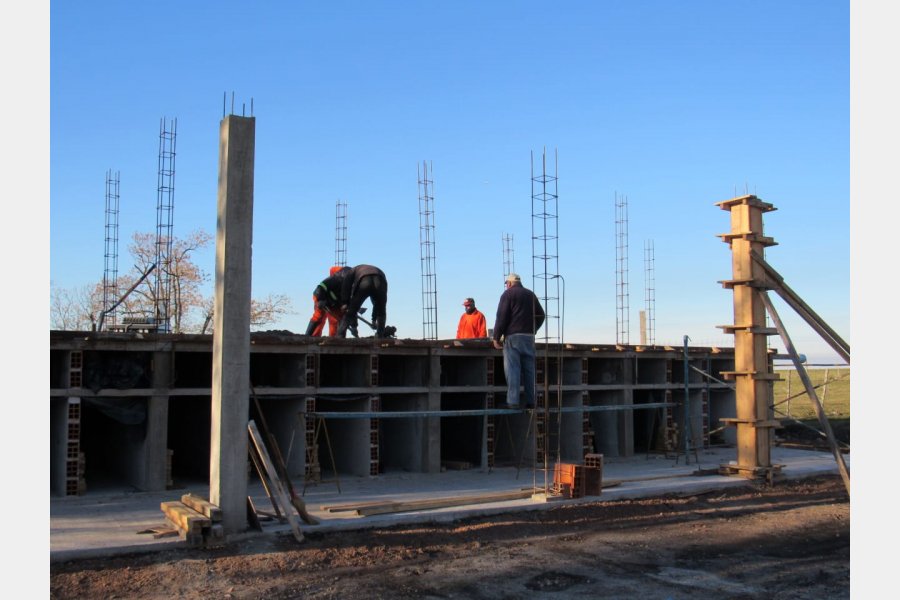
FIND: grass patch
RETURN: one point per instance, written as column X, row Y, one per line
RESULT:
column 833, row 391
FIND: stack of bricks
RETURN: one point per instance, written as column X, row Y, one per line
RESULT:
column 312, row 361
column 587, row 435
column 75, row 483
column 373, row 371
column 374, row 406
column 671, row 439
column 577, row 481
column 593, row 474
column 489, row 400
column 564, row 480
column 313, row 469
column 197, row 521
column 704, row 418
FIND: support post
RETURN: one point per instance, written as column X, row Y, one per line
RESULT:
column 752, row 375
column 231, row 322
column 810, row 390
column 151, row 471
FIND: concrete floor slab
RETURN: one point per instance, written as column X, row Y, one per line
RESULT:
column 108, row 523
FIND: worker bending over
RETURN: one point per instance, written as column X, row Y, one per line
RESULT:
column 359, row 283
column 327, row 304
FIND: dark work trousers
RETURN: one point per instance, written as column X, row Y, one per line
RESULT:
column 369, row 286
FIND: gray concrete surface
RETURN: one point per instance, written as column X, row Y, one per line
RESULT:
column 107, row 523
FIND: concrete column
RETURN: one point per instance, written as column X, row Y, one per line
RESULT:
column 231, row 322
column 626, row 417
column 151, row 469
column 59, row 415
column 431, row 440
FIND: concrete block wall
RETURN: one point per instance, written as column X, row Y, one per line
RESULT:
column 157, row 420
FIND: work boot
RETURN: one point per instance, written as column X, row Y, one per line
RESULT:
column 379, row 327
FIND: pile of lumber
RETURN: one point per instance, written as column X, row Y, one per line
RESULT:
column 197, row 521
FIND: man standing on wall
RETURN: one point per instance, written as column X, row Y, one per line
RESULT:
column 519, row 316
column 472, row 323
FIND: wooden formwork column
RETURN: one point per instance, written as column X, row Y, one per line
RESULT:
column 752, row 374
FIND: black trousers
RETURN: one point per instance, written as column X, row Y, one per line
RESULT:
column 372, row 287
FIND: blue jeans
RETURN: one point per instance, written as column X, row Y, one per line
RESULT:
column 518, row 364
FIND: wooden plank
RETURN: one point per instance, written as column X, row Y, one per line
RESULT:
column 413, row 505
column 161, row 532
column 252, row 517
column 353, row 506
column 202, row 506
column 349, row 507
column 281, row 468
column 261, row 471
column 280, row 495
column 186, row 518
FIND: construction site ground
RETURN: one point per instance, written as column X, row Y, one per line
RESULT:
column 663, row 527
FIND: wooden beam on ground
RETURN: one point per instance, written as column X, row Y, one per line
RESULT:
column 187, row 519
column 203, row 506
column 414, row 505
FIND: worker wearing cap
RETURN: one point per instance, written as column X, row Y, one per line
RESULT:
column 326, row 303
column 472, row 323
column 519, row 316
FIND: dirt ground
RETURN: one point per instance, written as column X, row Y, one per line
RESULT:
column 791, row 540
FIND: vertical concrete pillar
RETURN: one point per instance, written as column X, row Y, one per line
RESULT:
column 151, row 467
column 626, row 417
column 431, row 438
column 231, row 322
column 752, row 376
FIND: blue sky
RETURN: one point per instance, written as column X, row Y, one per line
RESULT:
column 674, row 105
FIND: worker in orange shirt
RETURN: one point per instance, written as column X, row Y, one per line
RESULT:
column 326, row 304
column 471, row 323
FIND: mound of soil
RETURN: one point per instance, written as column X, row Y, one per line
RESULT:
column 809, row 433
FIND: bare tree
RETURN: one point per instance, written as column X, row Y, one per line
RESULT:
column 75, row 308
column 262, row 312
column 190, row 309
column 269, row 309
column 185, row 276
